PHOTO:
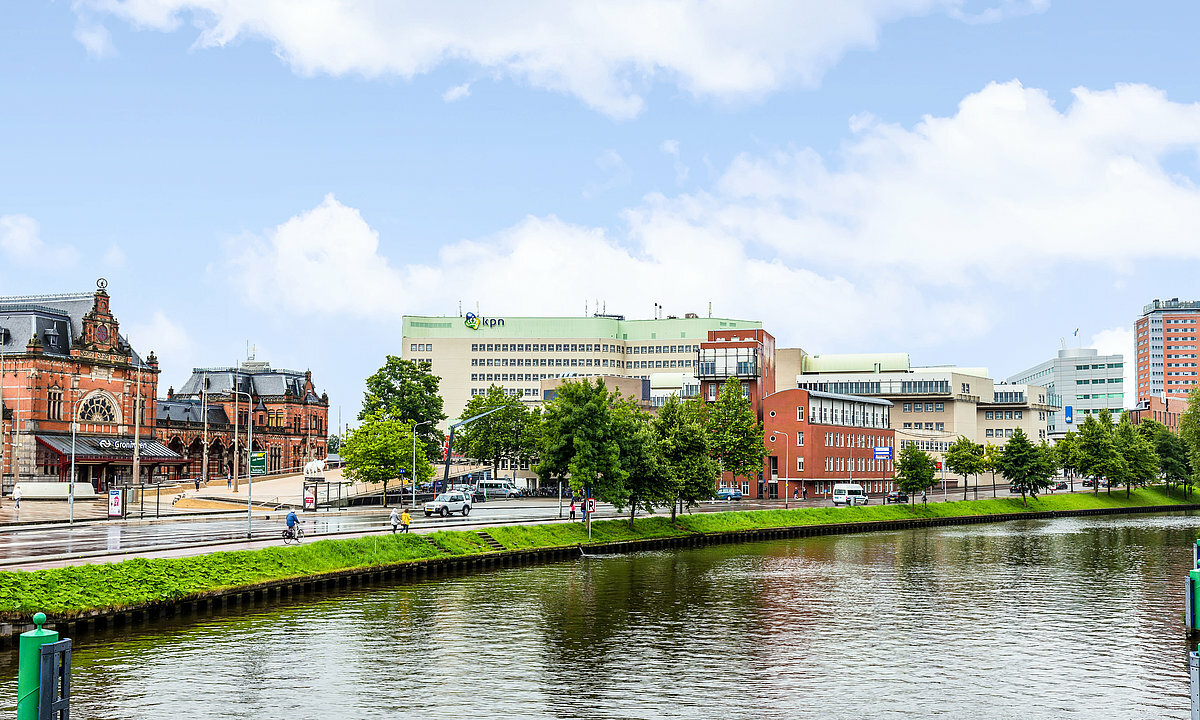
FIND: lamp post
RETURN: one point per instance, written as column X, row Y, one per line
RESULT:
column 414, row 466
column 786, row 463
column 249, row 451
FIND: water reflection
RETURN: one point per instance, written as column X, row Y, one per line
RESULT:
column 1068, row 617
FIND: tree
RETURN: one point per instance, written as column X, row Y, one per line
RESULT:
column 1066, row 452
column 1189, row 432
column 578, row 439
column 1173, row 461
column 380, row 450
column 735, row 434
column 333, row 443
column 644, row 484
column 506, row 434
column 406, row 390
column 1026, row 466
column 965, row 457
column 1139, row 463
column 991, row 456
column 915, row 470
column 1096, row 455
column 689, row 473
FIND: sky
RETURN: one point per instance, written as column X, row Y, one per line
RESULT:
column 973, row 182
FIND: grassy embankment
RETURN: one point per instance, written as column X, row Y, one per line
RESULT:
column 72, row 590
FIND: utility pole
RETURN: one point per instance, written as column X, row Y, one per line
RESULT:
column 137, row 422
column 234, row 394
column 204, row 412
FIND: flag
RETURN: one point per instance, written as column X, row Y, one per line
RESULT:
column 1076, row 332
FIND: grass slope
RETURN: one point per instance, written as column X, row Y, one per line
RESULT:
column 68, row 591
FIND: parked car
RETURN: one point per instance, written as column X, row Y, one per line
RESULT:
column 449, row 503
column 1061, row 485
column 849, row 494
column 895, row 496
column 1088, row 483
column 476, row 495
column 499, row 489
column 729, row 493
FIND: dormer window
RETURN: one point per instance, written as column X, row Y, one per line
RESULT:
column 51, row 337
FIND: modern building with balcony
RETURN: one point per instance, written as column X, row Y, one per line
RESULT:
column 747, row 355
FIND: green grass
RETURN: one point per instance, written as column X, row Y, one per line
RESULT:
column 72, row 590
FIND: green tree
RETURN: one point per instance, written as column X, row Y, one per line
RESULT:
column 915, row 470
column 1139, row 462
column 1066, row 452
column 690, row 474
column 644, row 485
column 1173, row 460
column 735, row 434
column 333, row 443
column 1096, row 455
column 509, row 433
column 406, row 390
column 964, row 457
column 991, row 456
column 380, row 450
column 1189, row 433
column 1026, row 466
column 578, row 440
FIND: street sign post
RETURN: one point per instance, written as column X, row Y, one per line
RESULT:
column 258, row 463
column 883, row 453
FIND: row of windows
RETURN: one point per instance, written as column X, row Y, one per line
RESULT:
column 799, row 437
column 924, row 407
column 998, row 432
column 1100, row 396
column 420, row 347
column 1002, row 415
column 939, row 446
column 1099, row 381
column 836, row 439
column 510, row 377
column 530, row 392
column 857, row 464
column 579, row 347
column 928, row 426
column 1100, row 366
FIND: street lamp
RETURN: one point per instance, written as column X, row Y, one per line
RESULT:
column 786, row 463
column 414, row 467
column 249, row 452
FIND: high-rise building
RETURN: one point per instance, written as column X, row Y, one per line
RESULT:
column 1081, row 382
column 1165, row 341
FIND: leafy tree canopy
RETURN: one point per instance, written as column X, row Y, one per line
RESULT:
column 380, row 450
column 1026, row 466
column 406, row 390
column 735, row 434
column 915, row 470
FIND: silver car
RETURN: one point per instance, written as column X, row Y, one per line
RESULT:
column 449, row 503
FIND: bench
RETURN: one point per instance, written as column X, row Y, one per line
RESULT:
column 55, row 491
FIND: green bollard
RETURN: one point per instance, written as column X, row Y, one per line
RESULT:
column 1194, row 576
column 29, row 672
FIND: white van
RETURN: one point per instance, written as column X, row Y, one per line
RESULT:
column 499, row 489
column 849, row 494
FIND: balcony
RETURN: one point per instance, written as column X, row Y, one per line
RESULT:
column 718, row 364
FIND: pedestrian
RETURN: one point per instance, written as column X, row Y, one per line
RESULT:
column 405, row 520
column 394, row 520
column 923, row 501
column 228, row 481
column 17, row 496
column 804, row 494
column 572, row 509
column 197, row 484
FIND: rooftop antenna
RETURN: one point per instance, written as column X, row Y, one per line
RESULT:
column 585, row 308
column 710, row 308
column 459, row 314
column 1064, row 342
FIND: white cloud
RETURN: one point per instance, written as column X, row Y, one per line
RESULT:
column 21, row 242
column 671, row 147
column 616, row 174
column 926, row 235
column 170, row 342
column 608, row 54
column 458, row 92
column 95, row 39
column 1120, row 340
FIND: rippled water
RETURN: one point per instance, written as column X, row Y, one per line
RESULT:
column 1037, row 619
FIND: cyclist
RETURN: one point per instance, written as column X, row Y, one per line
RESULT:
column 292, row 521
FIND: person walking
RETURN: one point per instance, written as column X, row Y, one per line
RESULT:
column 405, row 520
column 923, row 501
column 17, row 496
column 394, row 520
column 804, row 494
column 572, row 509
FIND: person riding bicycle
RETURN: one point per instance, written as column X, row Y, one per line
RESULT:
column 292, row 522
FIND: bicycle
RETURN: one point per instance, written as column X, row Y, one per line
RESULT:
column 293, row 534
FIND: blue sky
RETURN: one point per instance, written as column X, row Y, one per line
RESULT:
column 966, row 181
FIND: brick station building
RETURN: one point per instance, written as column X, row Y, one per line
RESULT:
column 63, row 359
column 290, row 419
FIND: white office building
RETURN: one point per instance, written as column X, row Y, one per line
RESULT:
column 1081, row 382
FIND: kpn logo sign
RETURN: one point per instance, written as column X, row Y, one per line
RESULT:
column 475, row 322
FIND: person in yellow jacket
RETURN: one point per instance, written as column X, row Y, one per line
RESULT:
column 405, row 520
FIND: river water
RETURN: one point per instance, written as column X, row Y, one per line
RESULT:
column 1064, row 618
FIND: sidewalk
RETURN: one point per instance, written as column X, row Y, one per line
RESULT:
column 50, row 511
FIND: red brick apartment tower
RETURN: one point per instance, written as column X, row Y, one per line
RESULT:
column 1165, row 338
column 815, row 439
column 749, row 356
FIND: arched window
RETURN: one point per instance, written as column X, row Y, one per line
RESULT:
column 98, row 408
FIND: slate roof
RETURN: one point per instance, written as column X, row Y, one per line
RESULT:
column 189, row 410
column 257, row 378
column 46, row 315
column 94, row 448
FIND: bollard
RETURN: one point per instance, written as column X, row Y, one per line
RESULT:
column 29, row 672
column 1194, row 597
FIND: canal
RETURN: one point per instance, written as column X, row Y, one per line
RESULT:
column 1073, row 617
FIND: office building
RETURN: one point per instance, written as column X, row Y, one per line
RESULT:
column 472, row 353
column 1165, row 343
column 1081, row 382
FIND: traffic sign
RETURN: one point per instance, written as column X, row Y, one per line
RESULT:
column 591, row 505
column 258, row 463
column 883, row 453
